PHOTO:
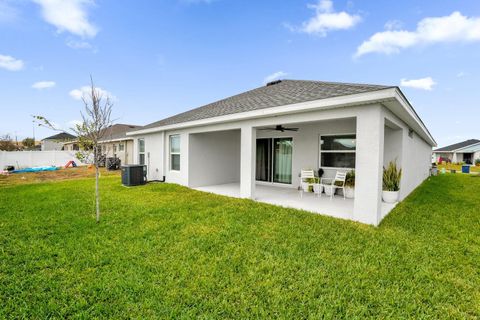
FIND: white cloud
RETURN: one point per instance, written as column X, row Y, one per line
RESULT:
column 84, row 91
column 326, row 19
column 423, row 83
column 43, row 85
column 453, row 28
column 461, row 74
column 274, row 76
column 10, row 63
column 69, row 15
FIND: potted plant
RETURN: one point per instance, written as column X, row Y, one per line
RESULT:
column 317, row 188
column 350, row 185
column 329, row 189
column 391, row 182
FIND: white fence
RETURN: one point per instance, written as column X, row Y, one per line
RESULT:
column 26, row 159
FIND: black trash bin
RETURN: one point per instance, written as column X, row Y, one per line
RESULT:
column 134, row 175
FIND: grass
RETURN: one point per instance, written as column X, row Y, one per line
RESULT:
column 164, row 251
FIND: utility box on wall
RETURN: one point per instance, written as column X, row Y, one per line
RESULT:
column 134, row 175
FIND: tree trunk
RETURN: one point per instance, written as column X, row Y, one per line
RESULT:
column 97, row 191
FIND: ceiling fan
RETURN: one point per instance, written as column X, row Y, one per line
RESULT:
column 280, row 128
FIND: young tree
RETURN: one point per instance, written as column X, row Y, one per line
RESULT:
column 96, row 119
column 95, row 122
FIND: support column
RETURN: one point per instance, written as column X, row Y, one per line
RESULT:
column 369, row 165
column 247, row 162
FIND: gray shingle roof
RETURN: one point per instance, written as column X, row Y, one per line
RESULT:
column 118, row 131
column 62, row 136
column 459, row 145
column 279, row 93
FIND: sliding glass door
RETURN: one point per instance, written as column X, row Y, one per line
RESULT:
column 274, row 160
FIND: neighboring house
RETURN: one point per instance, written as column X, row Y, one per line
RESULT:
column 253, row 145
column 115, row 143
column 57, row 141
column 467, row 151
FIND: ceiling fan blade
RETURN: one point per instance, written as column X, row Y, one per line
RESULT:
column 269, row 129
column 290, row 129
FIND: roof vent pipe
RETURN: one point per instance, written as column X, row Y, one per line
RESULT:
column 271, row 83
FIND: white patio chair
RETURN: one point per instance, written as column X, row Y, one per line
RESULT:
column 304, row 176
column 336, row 183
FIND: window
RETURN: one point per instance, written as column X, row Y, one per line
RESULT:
column 121, row 147
column 175, row 152
column 114, row 148
column 338, row 151
column 141, row 151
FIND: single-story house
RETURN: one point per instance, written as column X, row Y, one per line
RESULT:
column 467, row 152
column 254, row 144
column 115, row 143
column 56, row 141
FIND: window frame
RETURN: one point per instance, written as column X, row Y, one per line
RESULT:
column 320, row 151
column 171, row 153
column 121, row 147
column 141, row 152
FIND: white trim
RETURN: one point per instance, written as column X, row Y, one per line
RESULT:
column 334, row 151
column 272, row 159
column 170, row 153
column 141, row 152
column 353, row 99
column 412, row 113
column 116, row 140
column 379, row 96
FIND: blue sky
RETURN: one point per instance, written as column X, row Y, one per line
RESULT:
column 158, row 58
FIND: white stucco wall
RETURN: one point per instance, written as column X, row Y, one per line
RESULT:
column 26, row 159
column 416, row 163
column 415, row 158
column 306, row 144
column 476, row 156
column 214, row 158
column 413, row 153
column 126, row 156
column 393, row 146
column 154, row 154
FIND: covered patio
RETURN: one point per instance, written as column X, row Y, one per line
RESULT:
column 291, row 198
column 264, row 162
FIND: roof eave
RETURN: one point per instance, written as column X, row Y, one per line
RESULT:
column 381, row 95
column 341, row 101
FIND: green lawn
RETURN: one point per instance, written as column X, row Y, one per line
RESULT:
column 163, row 251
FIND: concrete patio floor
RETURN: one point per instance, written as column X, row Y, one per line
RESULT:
column 290, row 198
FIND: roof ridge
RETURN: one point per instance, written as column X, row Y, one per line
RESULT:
column 343, row 83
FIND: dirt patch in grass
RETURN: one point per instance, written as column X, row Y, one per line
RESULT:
column 47, row 176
